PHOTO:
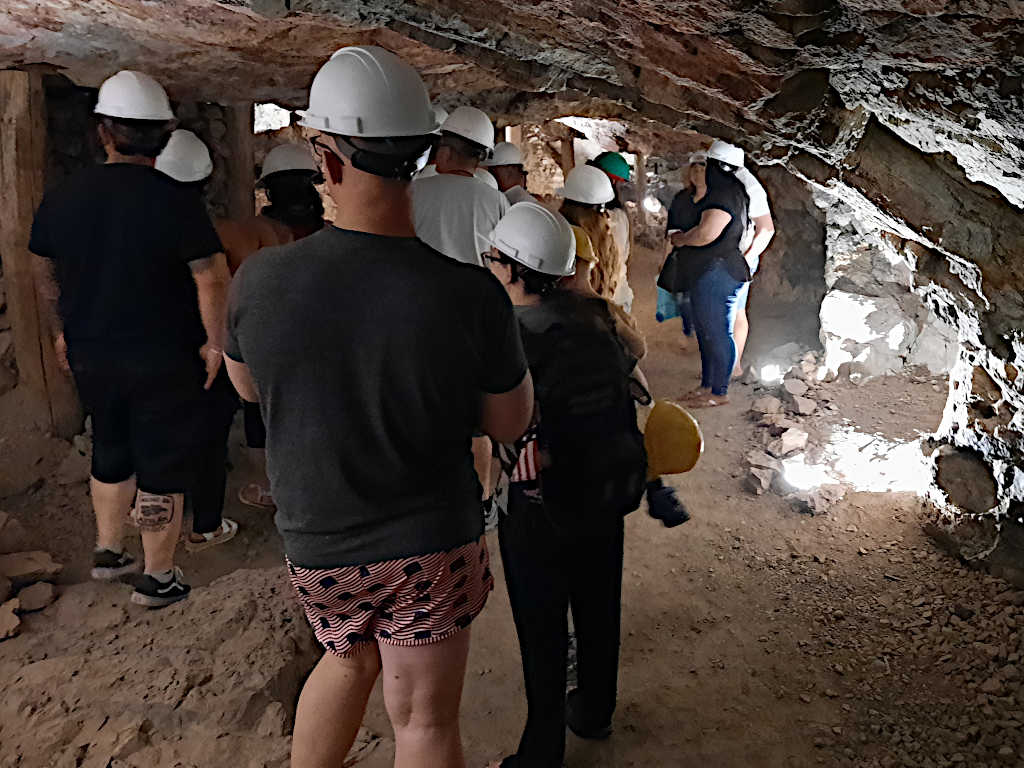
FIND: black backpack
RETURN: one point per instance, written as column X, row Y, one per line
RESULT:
column 594, row 464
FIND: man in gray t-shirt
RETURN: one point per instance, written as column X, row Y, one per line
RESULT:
column 375, row 359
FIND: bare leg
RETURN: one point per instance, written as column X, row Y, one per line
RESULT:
column 111, row 502
column 159, row 519
column 740, row 330
column 482, row 464
column 422, row 693
column 331, row 708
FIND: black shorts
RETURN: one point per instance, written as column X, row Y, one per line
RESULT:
column 147, row 420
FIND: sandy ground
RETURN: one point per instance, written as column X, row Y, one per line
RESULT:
column 752, row 636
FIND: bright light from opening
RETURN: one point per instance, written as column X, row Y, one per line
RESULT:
column 270, row 117
column 771, row 374
column 803, row 476
column 865, row 462
column 651, row 204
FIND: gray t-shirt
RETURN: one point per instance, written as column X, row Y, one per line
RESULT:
column 370, row 355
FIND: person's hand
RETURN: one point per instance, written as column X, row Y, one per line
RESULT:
column 213, row 358
column 676, row 239
column 60, row 347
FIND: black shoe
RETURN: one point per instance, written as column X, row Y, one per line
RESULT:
column 157, row 594
column 574, row 719
column 107, row 565
column 664, row 505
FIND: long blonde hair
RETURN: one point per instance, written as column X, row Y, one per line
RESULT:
column 605, row 274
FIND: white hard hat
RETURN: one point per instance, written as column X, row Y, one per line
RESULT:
column 368, row 92
column 288, row 157
column 505, row 153
column 472, row 124
column 440, row 115
column 185, row 158
column 537, row 238
column 486, row 178
column 587, row 184
column 133, row 96
column 726, row 153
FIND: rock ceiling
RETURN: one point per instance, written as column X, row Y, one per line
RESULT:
column 808, row 83
column 791, row 75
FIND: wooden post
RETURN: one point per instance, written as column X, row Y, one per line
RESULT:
column 515, row 135
column 22, row 168
column 241, row 176
column 568, row 156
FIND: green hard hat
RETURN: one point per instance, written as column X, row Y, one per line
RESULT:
column 613, row 164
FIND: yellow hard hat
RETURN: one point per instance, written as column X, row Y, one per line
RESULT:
column 584, row 247
column 673, row 439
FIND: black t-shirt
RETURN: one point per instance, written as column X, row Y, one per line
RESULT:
column 121, row 236
column 685, row 214
column 370, row 355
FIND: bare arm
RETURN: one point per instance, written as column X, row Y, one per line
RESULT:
column 48, row 293
column 712, row 223
column 241, row 377
column 212, row 278
column 505, row 417
column 764, row 231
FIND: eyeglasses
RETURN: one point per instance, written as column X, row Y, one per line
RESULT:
column 493, row 259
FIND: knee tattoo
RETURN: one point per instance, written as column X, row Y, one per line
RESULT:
column 153, row 512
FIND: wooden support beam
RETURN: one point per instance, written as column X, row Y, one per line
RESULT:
column 241, row 172
column 22, row 168
column 567, row 159
column 515, row 135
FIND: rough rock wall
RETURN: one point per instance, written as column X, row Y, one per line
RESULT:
column 207, row 122
column 791, row 277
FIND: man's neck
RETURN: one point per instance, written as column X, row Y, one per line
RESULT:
column 520, row 298
column 456, row 168
column 383, row 210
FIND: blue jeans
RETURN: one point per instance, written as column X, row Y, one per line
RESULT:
column 714, row 300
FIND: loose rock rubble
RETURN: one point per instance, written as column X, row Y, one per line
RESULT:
column 924, row 654
column 210, row 682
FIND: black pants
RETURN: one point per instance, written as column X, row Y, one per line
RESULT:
column 255, row 430
column 547, row 571
column 220, row 404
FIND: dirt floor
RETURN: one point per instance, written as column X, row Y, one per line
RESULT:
column 754, row 635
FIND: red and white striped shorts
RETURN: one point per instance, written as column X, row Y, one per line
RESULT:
column 410, row 601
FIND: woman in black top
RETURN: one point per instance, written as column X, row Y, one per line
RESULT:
column 706, row 262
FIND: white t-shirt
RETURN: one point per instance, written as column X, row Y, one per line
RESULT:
column 456, row 214
column 758, row 207
column 758, row 197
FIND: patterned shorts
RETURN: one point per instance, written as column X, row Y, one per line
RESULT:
column 410, row 601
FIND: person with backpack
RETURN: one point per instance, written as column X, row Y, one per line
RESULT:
column 582, row 467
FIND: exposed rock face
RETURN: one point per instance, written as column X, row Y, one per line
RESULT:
column 909, row 115
column 212, row 681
